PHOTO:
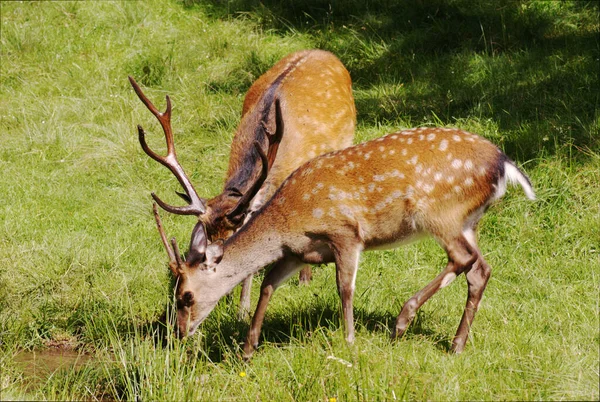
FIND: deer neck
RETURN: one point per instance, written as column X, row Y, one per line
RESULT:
column 248, row 251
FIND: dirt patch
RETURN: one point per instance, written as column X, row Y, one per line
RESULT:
column 38, row 365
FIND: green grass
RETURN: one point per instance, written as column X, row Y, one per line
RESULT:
column 81, row 261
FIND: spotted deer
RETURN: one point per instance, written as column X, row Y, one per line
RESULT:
column 381, row 193
column 300, row 108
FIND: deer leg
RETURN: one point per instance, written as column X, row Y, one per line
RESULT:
column 244, row 307
column 461, row 257
column 305, row 275
column 477, row 279
column 346, row 265
column 279, row 273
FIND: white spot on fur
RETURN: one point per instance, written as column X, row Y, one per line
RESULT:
column 413, row 160
column 409, row 141
column 346, row 211
column 468, row 182
column 378, row 177
column 469, row 164
column 318, row 213
column 431, row 137
column 428, row 188
column 457, row 163
column 404, row 152
column 443, row 145
column 456, row 138
column 438, row 176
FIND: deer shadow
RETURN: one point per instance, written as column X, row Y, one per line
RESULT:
column 224, row 335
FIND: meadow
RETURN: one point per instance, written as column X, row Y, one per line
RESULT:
column 82, row 267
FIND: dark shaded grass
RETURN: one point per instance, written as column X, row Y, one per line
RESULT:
column 531, row 67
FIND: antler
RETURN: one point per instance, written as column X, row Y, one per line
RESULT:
column 163, row 237
column 267, row 160
column 196, row 205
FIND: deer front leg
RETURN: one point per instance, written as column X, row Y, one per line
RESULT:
column 346, row 265
column 244, row 307
column 279, row 273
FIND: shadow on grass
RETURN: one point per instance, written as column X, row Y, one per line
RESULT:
column 224, row 335
column 530, row 68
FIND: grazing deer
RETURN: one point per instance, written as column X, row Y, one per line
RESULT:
column 382, row 193
column 302, row 107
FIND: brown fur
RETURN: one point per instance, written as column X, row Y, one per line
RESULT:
column 384, row 192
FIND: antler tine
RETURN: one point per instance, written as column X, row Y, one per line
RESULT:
column 163, row 237
column 177, row 254
column 197, row 205
column 245, row 199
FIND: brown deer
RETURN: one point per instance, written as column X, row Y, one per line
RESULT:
column 300, row 108
column 382, row 193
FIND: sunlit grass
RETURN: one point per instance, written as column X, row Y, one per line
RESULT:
column 81, row 261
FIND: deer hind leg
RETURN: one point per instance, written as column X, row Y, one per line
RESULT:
column 305, row 275
column 461, row 256
column 477, row 279
column 346, row 265
column 279, row 273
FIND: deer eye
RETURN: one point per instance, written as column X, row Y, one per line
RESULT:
column 187, row 299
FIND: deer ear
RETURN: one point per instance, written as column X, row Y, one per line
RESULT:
column 272, row 123
column 214, row 254
column 198, row 244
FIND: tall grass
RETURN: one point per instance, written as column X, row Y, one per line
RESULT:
column 79, row 256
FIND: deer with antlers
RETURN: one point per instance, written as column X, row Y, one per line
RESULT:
column 382, row 193
column 300, row 108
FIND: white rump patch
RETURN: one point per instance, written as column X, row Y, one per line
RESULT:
column 513, row 175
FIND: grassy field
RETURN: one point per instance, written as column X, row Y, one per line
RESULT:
column 81, row 265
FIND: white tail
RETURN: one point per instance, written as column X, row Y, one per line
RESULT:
column 434, row 181
column 287, row 112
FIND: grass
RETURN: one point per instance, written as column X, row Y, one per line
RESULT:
column 81, row 262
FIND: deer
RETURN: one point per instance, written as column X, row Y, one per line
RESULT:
column 300, row 108
column 379, row 194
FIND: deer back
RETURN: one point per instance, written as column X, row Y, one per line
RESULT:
column 389, row 190
column 308, row 86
